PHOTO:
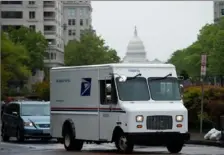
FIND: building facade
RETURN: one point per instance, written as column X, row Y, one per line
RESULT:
column 59, row 21
column 77, row 17
column 218, row 10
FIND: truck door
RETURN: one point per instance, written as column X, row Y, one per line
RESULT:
column 107, row 116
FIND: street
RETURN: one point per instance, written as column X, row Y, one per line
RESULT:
column 37, row 148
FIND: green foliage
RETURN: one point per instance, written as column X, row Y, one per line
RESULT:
column 210, row 41
column 184, row 74
column 213, row 105
column 34, row 42
column 13, row 62
column 42, row 90
column 89, row 50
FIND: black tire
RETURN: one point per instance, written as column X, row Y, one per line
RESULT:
column 70, row 143
column 175, row 147
column 20, row 136
column 122, row 146
column 5, row 137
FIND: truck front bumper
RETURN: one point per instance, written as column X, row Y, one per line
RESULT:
column 36, row 133
column 158, row 138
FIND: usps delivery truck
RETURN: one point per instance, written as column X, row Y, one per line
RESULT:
column 123, row 103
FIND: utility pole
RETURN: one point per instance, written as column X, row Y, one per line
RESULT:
column 203, row 74
column 49, row 46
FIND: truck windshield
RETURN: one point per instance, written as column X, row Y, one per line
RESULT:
column 164, row 89
column 35, row 109
column 133, row 89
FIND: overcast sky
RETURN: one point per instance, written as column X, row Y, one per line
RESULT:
column 163, row 26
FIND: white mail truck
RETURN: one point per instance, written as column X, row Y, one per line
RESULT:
column 129, row 104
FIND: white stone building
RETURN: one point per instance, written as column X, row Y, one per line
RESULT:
column 43, row 16
column 77, row 17
column 218, row 8
column 136, row 51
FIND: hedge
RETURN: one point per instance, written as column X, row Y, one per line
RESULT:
column 213, row 106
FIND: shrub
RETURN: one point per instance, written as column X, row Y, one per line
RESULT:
column 213, row 105
column 42, row 89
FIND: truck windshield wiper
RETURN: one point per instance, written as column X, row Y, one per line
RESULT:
column 134, row 77
column 161, row 78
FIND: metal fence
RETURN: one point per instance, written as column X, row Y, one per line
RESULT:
column 207, row 80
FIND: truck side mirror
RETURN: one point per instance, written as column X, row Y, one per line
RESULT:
column 122, row 78
column 108, row 88
column 181, row 89
column 108, row 97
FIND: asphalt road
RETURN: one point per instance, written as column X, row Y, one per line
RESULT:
column 38, row 148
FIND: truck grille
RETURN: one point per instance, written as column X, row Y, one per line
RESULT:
column 44, row 125
column 159, row 122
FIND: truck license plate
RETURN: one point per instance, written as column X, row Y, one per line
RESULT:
column 47, row 131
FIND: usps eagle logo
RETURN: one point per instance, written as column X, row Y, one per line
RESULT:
column 86, row 86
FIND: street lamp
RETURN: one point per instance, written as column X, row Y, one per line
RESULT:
column 49, row 44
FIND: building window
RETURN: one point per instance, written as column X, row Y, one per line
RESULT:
column 71, row 32
column 32, row 15
column 87, row 22
column 71, row 12
column 222, row 11
column 31, row 2
column 53, row 56
column 71, row 22
column 11, row 2
column 81, row 12
column 81, row 22
column 33, row 27
column 12, row 14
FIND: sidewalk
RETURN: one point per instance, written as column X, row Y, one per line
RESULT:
column 198, row 139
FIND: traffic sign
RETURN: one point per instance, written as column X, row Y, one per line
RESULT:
column 203, row 70
column 203, row 64
column 203, row 60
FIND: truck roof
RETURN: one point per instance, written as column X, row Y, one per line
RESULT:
column 117, row 65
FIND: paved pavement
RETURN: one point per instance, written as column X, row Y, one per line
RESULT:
column 36, row 148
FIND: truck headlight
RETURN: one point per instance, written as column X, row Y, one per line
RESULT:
column 28, row 124
column 139, row 118
column 179, row 118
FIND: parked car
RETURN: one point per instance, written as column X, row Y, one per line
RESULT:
column 26, row 120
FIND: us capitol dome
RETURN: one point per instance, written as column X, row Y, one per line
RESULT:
column 136, row 51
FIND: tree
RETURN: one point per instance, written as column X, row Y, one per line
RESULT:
column 42, row 90
column 216, row 58
column 184, row 74
column 34, row 42
column 90, row 49
column 210, row 41
column 13, row 62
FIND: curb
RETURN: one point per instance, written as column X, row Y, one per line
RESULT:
column 204, row 142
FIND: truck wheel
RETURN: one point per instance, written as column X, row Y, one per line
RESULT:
column 70, row 143
column 124, row 144
column 174, row 147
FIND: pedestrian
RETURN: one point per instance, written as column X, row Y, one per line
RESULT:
column 2, row 108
